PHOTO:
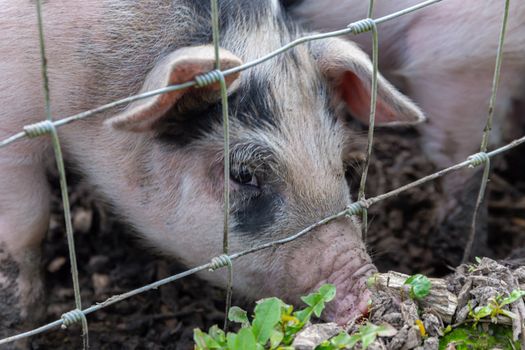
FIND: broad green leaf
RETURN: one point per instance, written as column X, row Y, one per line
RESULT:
column 245, row 340
column 514, row 295
column 204, row 341
column 267, row 315
column 304, row 315
column 217, row 334
column 368, row 333
column 316, row 303
column 312, row 299
column 327, row 291
column 276, row 337
column 231, row 338
column 286, row 309
column 482, row 311
column 419, row 286
column 367, row 339
column 353, row 340
column 238, row 315
column 343, row 340
column 198, row 338
column 326, row 345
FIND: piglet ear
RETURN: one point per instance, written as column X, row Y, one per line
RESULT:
column 350, row 71
column 178, row 67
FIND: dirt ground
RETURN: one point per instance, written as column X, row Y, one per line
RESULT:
column 112, row 261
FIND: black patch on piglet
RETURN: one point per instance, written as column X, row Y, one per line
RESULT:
column 255, row 215
column 252, row 105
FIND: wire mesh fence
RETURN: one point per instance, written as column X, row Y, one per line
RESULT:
column 50, row 126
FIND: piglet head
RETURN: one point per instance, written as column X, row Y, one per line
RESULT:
column 288, row 155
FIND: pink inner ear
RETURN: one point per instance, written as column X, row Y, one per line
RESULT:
column 357, row 99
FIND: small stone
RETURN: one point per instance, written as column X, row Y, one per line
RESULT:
column 431, row 343
column 100, row 282
column 82, row 220
column 56, row 264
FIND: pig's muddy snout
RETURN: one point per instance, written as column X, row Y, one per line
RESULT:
column 334, row 253
column 352, row 298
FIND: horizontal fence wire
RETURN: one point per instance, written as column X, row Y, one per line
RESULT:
column 222, row 261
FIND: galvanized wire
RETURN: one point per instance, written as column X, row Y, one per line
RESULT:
column 370, row 11
column 51, row 129
column 226, row 133
column 370, row 25
column 222, row 260
column 486, row 134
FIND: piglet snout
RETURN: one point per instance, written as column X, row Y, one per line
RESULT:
column 352, row 298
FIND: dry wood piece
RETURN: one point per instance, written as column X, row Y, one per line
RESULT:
column 440, row 301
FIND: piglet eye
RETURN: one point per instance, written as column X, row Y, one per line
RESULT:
column 244, row 176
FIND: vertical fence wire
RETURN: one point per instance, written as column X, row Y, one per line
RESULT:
column 370, row 9
column 486, row 134
column 226, row 132
column 62, row 176
column 371, row 124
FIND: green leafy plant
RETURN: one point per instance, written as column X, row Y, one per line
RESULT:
column 366, row 334
column 273, row 326
column 466, row 337
column 418, row 286
column 495, row 307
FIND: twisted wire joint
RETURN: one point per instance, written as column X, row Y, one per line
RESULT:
column 220, row 261
column 208, row 78
column 362, row 26
column 39, row 129
column 478, row 159
column 354, row 209
column 72, row 317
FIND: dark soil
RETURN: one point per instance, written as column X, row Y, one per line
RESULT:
column 112, row 261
